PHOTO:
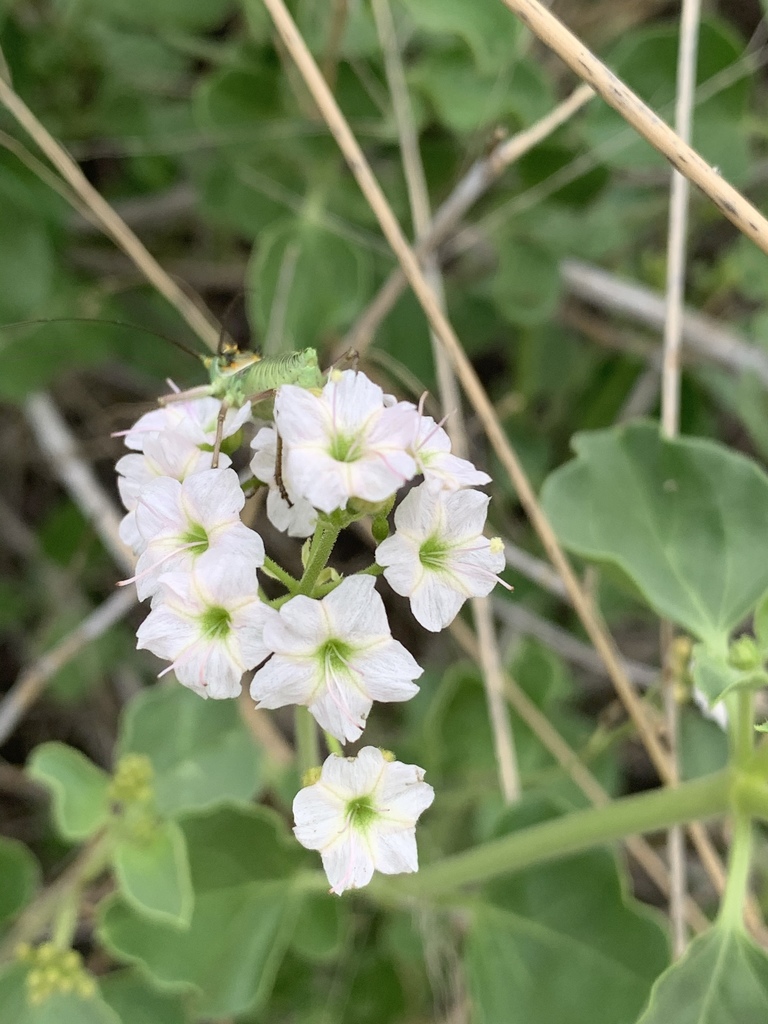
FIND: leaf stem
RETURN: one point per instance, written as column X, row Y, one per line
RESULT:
column 320, row 550
column 290, row 583
column 732, row 907
column 307, row 746
column 572, row 833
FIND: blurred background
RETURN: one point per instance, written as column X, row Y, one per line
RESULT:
column 192, row 122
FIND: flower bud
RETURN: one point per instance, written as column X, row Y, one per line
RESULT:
column 744, row 654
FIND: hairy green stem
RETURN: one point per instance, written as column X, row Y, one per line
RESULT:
column 290, row 583
column 319, row 553
column 572, row 833
column 732, row 907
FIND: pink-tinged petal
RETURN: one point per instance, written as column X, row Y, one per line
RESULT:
column 353, row 399
column 402, row 569
column 248, row 631
column 418, row 514
column 378, row 475
column 284, row 681
column 297, row 520
column 300, row 416
column 222, row 582
column 394, row 853
column 129, row 533
column 165, row 633
column 430, row 438
column 209, row 669
column 341, row 709
column 402, row 795
column 355, row 611
column 434, row 604
column 300, row 627
column 348, row 862
column 388, row 670
column 237, row 542
column 465, row 514
column 394, row 428
column 449, row 473
column 319, row 816
column 474, row 572
column 350, row 777
column 213, row 496
column 264, row 447
column 159, row 508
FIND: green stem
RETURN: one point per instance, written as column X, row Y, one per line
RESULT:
column 333, row 745
column 319, row 553
column 289, row 582
column 732, row 907
column 744, row 735
column 661, row 808
column 307, row 746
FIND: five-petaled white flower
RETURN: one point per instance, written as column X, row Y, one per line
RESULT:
column 294, row 516
column 208, row 623
column 194, row 521
column 438, row 556
column 361, row 815
column 165, row 453
column 336, row 656
column 195, row 419
column 344, row 443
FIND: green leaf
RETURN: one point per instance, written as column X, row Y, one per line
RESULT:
column 561, row 942
column 80, row 789
column 703, row 744
column 136, row 1002
column 322, row 925
column 491, row 32
column 646, row 60
column 58, row 1009
column 26, row 264
column 761, row 624
column 241, row 863
column 312, row 279
column 716, row 678
column 20, row 876
column 153, row 874
column 201, row 751
column 684, row 519
column 722, row 979
column 526, row 287
column 168, row 14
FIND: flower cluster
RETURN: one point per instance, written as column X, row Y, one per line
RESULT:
column 330, row 457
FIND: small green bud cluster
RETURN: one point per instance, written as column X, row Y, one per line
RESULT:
column 54, row 971
column 133, row 780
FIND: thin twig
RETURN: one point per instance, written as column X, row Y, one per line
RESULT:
column 470, row 382
column 475, row 183
column 32, row 682
column 616, row 94
column 581, row 776
column 670, row 418
column 489, row 655
column 112, row 225
column 701, row 334
column 60, row 447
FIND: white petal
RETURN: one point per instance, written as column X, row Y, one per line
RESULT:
column 402, row 795
column 353, row 776
column 284, row 681
column 400, row 556
column 387, row 670
column 394, row 853
column 348, row 862
column 213, row 496
column 300, row 627
column 341, row 709
column 165, row 633
column 434, row 604
column 319, row 815
column 159, row 509
column 355, row 611
column 418, row 514
column 300, row 416
column 297, row 520
column 465, row 514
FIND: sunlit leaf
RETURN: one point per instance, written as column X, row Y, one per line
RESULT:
column 153, row 874
column 80, row 790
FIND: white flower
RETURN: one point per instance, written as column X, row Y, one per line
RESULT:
column 344, row 443
column 336, row 656
column 438, row 556
column 361, row 815
column 197, row 520
column 296, row 517
column 208, row 623
column 165, row 454
column 195, row 419
column 431, row 448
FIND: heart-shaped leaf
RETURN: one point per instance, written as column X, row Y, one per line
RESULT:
column 20, row 876
column 684, row 519
column 80, row 789
column 153, row 874
column 722, row 979
column 201, row 751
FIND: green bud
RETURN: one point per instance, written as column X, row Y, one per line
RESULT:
column 380, row 528
column 744, row 654
column 311, row 776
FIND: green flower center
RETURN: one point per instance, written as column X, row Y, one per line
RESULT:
column 361, row 813
column 336, row 654
column 344, row 448
column 216, row 623
column 433, row 552
column 197, row 536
